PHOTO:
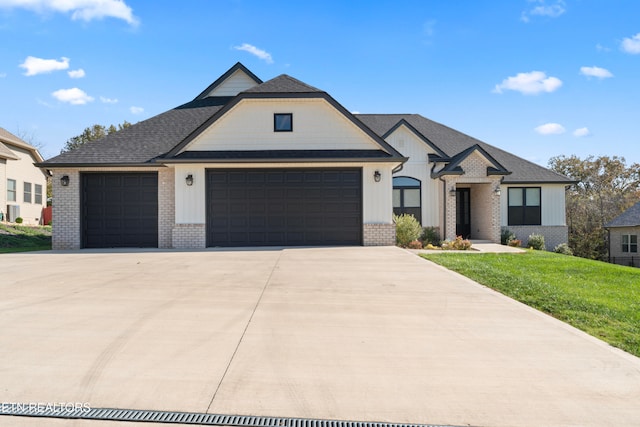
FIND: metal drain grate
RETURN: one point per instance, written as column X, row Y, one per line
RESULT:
column 194, row 418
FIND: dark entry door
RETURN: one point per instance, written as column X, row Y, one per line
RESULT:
column 120, row 210
column 284, row 207
column 463, row 214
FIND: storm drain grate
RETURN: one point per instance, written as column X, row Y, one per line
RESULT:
column 194, row 418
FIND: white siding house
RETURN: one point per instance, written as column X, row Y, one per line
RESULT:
column 253, row 163
column 23, row 186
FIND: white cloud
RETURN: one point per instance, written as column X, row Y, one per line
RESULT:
column 36, row 66
column 73, row 96
column 136, row 110
column 76, row 74
column 3, row 75
column 550, row 129
column 598, row 72
column 601, row 48
column 105, row 100
column 631, row 44
column 85, row 10
column 529, row 83
column 581, row 132
column 542, row 8
column 264, row 55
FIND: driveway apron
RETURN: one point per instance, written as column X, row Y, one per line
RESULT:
column 364, row 333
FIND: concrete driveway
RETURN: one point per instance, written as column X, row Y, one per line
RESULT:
column 368, row 334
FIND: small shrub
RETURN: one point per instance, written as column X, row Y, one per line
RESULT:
column 431, row 247
column 430, row 236
column 415, row 244
column 563, row 249
column 536, row 241
column 19, row 220
column 408, row 229
column 515, row 243
column 459, row 244
column 506, row 236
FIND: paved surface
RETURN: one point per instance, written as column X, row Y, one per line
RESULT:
column 372, row 334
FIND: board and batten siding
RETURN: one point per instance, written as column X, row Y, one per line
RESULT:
column 233, row 85
column 552, row 200
column 190, row 206
column 409, row 145
column 317, row 125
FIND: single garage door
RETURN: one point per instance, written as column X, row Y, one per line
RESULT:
column 284, row 207
column 120, row 210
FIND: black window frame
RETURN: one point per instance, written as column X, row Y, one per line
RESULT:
column 524, row 214
column 13, row 191
column 277, row 128
column 416, row 211
column 631, row 247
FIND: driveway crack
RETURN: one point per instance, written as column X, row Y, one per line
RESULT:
column 253, row 312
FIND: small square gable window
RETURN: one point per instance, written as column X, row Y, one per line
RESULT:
column 283, row 122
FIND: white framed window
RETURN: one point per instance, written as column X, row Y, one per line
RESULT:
column 38, row 194
column 27, row 192
column 11, row 190
column 630, row 243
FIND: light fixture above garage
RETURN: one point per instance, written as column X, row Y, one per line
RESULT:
column 377, row 176
column 64, row 181
column 497, row 191
column 189, row 180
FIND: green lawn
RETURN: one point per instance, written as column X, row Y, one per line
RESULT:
column 23, row 238
column 599, row 298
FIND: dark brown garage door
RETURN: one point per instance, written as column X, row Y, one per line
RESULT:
column 284, row 207
column 120, row 210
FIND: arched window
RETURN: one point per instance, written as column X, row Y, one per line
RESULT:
column 407, row 197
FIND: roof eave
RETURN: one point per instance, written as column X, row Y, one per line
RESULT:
column 45, row 165
column 289, row 160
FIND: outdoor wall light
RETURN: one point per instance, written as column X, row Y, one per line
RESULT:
column 64, row 181
column 189, row 180
column 377, row 176
column 497, row 191
column 452, row 192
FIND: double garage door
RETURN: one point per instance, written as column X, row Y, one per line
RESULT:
column 284, row 207
column 244, row 207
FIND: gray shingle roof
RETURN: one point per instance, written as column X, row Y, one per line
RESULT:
column 452, row 142
column 10, row 139
column 628, row 218
column 144, row 141
column 283, row 84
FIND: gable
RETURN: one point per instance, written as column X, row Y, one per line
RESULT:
column 249, row 125
column 409, row 144
column 475, row 165
column 234, row 84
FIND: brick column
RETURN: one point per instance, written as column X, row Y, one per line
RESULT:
column 66, row 210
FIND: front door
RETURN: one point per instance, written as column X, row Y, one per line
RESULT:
column 463, row 215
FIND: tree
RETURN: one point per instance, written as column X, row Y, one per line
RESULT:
column 605, row 186
column 92, row 133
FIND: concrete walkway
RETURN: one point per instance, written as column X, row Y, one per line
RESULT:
column 371, row 334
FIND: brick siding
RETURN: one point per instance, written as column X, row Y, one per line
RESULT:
column 189, row 236
column 66, row 210
column 379, row 234
column 553, row 234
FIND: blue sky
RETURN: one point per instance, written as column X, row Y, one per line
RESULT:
column 536, row 78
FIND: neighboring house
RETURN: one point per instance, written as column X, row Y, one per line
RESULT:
column 623, row 237
column 252, row 163
column 23, row 186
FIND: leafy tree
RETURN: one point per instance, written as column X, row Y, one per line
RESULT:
column 92, row 133
column 605, row 186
